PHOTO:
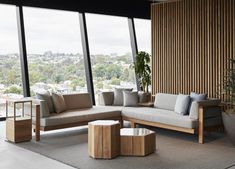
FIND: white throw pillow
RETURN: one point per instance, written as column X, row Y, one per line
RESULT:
column 182, row 103
column 48, row 99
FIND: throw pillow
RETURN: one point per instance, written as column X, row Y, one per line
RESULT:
column 196, row 97
column 182, row 103
column 130, row 99
column 118, row 96
column 48, row 99
column 59, row 102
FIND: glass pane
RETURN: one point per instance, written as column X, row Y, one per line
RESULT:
column 54, row 51
column 143, row 34
column 110, row 50
column 10, row 70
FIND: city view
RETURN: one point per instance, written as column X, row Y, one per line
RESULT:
column 54, row 52
column 64, row 73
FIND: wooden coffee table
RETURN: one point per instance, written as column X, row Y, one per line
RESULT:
column 104, row 139
column 137, row 141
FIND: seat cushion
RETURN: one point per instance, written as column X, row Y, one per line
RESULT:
column 81, row 115
column 160, row 116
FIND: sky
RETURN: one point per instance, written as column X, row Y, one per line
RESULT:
column 59, row 31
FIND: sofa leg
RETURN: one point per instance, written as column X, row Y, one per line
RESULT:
column 121, row 123
column 133, row 124
column 201, row 127
column 37, row 125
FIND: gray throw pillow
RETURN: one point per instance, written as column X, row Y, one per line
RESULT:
column 118, row 96
column 59, row 102
column 48, row 99
column 182, row 103
column 130, row 99
column 196, row 97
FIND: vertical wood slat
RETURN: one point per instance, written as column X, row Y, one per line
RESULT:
column 192, row 41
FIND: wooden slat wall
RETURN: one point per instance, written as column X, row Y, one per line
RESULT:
column 192, row 41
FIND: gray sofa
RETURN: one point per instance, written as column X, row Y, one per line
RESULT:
column 203, row 115
column 79, row 111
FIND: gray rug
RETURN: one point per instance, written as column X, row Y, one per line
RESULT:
column 174, row 151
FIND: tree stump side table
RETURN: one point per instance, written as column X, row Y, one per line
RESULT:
column 104, row 139
column 19, row 128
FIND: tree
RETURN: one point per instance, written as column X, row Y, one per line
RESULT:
column 14, row 89
column 115, row 81
column 143, row 70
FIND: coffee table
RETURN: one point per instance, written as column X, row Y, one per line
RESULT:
column 104, row 139
column 137, row 142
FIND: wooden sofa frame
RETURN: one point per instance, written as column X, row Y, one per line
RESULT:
column 37, row 127
column 200, row 130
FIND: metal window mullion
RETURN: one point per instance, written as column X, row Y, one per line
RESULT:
column 86, row 55
column 23, row 51
column 134, row 47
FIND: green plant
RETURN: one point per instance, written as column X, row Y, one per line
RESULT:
column 228, row 87
column 142, row 69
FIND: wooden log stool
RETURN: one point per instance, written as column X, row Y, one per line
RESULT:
column 104, row 139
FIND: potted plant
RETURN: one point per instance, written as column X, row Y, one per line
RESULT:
column 228, row 91
column 143, row 73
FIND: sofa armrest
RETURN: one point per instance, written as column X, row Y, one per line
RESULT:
column 106, row 98
column 211, row 108
column 209, row 114
column 209, row 103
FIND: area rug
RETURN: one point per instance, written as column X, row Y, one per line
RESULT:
column 174, row 150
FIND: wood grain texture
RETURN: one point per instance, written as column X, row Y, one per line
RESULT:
column 19, row 130
column 138, row 145
column 160, row 125
column 126, row 145
column 192, row 41
column 104, row 141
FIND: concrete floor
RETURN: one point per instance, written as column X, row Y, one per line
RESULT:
column 14, row 157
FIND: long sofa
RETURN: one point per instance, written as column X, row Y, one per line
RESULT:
column 79, row 111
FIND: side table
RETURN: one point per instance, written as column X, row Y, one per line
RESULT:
column 104, row 139
column 137, row 141
column 19, row 128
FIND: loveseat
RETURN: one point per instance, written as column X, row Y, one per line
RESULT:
column 79, row 111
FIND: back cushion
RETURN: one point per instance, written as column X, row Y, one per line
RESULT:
column 77, row 101
column 48, row 100
column 165, row 101
column 118, row 96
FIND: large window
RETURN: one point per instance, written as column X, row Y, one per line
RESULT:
column 143, row 34
column 54, row 51
column 10, row 70
column 110, row 50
